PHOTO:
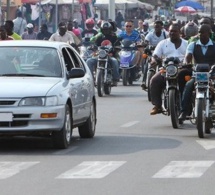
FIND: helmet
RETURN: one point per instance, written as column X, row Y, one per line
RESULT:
column 90, row 23
column 106, row 28
column 190, row 29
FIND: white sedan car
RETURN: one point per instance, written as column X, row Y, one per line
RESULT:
column 46, row 89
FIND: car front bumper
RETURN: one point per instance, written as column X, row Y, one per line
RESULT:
column 29, row 118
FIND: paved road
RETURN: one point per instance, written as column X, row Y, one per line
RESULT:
column 132, row 153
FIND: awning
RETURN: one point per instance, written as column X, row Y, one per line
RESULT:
column 43, row 2
column 119, row 4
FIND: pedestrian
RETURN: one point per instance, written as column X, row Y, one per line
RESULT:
column 29, row 34
column 9, row 25
column 119, row 19
column 19, row 24
column 3, row 34
column 44, row 34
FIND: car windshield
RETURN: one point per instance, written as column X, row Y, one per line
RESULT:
column 30, row 61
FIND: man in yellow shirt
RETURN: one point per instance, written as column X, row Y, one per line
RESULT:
column 9, row 28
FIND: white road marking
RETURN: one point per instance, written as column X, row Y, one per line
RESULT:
column 130, row 124
column 207, row 144
column 91, row 170
column 8, row 169
column 184, row 169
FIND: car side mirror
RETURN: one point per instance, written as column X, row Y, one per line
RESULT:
column 76, row 73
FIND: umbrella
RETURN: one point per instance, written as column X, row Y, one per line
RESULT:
column 185, row 9
column 193, row 4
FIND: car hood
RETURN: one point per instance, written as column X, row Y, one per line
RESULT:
column 24, row 86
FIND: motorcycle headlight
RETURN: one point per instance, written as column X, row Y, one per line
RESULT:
column 102, row 53
column 39, row 101
column 171, row 70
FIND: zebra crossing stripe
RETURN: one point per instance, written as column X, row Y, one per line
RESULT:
column 184, row 169
column 91, row 170
column 8, row 169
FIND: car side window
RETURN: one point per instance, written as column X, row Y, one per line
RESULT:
column 75, row 59
column 68, row 62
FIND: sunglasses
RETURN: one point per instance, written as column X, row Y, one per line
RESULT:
column 128, row 26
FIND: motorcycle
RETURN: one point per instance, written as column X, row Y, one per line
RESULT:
column 147, row 73
column 104, row 71
column 204, row 111
column 128, row 62
column 171, row 94
column 150, row 71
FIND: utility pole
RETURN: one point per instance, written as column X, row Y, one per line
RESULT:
column 111, row 10
column 0, row 14
column 40, row 8
column 8, row 9
column 212, row 5
column 56, row 15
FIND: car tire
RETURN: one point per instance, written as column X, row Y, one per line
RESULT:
column 62, row 138
column 87, row 130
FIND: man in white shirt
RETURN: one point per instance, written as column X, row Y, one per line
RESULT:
column 62, row 35
column 157, row 35
column 174, row 46
column 152, row 39
column 19, row 24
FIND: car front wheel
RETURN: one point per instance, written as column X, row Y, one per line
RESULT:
column 87, row 130
column 62, row 138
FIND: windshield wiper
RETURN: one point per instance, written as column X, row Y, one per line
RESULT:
column 23, row 74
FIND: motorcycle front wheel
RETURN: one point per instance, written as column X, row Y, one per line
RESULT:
column 107, row 89
column 200, row 117
column 150, row 74
column 100, row 83
column 125, row 77
column 174, row 106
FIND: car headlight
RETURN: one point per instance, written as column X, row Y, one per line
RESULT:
column 171, row 70
column 39, row 101
column 51, row 101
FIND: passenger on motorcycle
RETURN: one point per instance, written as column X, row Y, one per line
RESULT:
column 174, row 46
column 202, row 51
column 152, row 39
column 189, row 30
column 208, row 21
column 143, row 28
column 89, row 31
column 106, row 34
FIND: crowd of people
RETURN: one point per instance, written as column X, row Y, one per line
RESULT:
column 191, row 41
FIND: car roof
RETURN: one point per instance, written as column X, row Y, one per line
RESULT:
column 33, row 43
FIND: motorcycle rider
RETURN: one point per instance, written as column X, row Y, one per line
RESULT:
column 89, row 32
column 157, row 35
column 152, row 39
column 201, row 51
column 106, row 34
column 174, row 46
column 133, row 35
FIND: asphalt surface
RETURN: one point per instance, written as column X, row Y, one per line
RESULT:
column 132, row 153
